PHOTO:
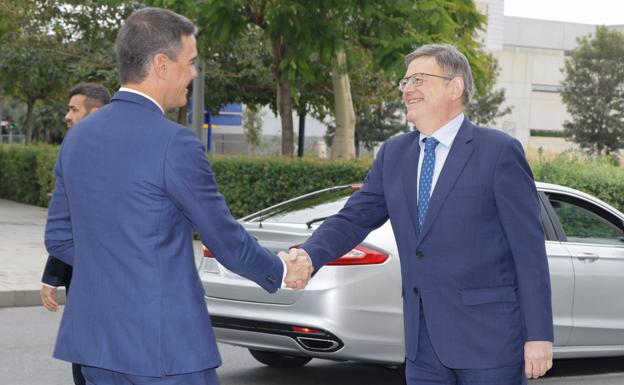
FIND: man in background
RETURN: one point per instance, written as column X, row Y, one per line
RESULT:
column 84, row 99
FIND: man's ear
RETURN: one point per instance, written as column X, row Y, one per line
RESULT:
column 92, row 110
column 457, row 87
column 160, row 64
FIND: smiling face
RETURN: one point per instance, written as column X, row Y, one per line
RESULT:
column 180, row 74
column 434, row 102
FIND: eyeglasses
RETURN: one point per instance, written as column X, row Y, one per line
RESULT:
column 416, row 80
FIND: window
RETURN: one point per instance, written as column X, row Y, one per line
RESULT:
column 584, row 222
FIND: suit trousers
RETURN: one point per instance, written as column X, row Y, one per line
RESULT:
column 428, row 370
column 76, row 368
column 77, row 373
column 98, row 376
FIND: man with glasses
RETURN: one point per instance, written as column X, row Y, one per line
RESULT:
column 466, row 217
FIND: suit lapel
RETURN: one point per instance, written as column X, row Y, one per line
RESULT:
column 410, row 178
column 458, row 157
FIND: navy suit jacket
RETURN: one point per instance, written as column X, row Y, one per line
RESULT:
column 478, row 264
column 56, row 273
column 130, row 187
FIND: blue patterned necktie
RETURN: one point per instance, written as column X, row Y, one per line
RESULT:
column 426, row 177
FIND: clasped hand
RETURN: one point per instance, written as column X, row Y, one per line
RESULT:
column 299, row 268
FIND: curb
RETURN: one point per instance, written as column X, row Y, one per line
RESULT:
column 21, row 298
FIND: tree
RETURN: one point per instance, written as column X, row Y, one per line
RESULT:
column 485, row 106
column 593, row 92
column 29, row 68
column 252, row 124
column 48, row 45
column 308, row 44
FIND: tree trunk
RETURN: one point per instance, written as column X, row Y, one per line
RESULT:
column 284, row 107
column 302, row 116
column 284, row 99
column 28, row 129
column 343, row 145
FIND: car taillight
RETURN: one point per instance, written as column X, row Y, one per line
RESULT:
column 301, row 329
column 360, row 255
column 207, row 252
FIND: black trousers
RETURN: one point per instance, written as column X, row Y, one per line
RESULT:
column 78, row 377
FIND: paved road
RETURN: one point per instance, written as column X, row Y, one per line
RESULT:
column 27, row 338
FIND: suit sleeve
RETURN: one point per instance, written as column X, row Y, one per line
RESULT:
column 365, row 211
column 519, row 212
column 58, row 233
column 191, row 184
column 56, row 272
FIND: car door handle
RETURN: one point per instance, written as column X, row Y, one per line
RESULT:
column 587, row 257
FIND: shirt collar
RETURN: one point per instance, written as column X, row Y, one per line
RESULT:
column 447, row 133
column 126, row 89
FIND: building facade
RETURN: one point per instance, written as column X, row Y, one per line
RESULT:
column 531, row 54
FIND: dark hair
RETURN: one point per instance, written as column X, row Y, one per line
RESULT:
column 452, row 62
column 96, row 95
column 147, row 32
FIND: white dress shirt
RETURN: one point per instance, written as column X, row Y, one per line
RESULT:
column 445, row 135
column 126, row 89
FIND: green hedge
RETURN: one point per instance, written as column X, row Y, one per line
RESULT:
column 250, row 184
column 26, row 172
column 595, row 176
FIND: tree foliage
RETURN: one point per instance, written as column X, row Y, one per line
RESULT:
column 49, row 45
column 298, row 43
column 593, row 92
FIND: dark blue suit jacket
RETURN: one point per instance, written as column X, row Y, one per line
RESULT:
column 130, row 187
column 479, row 263
column 56, row 273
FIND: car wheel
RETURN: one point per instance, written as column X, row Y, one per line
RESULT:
column 278, row 360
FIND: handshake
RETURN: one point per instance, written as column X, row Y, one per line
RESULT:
column 298, row 268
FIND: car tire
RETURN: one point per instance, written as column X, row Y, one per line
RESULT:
column 278, row 360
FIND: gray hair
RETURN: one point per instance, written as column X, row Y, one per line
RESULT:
column 452, row 62
column 96, row 95
column 147, row 32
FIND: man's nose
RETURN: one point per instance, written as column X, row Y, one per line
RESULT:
column 194, row 71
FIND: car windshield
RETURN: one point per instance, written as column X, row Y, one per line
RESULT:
column 312, row 207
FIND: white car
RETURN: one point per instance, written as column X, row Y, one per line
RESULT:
column 352, row 308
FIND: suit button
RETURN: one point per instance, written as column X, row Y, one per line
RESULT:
column 416, row 290
column 420, row 254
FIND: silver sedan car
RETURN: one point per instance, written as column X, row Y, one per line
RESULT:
column 352, row 308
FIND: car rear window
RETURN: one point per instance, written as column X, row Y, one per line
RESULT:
column 310, row 207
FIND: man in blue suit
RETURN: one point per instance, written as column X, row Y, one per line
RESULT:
column 130, row 187
column 465, row 213
column 84, row 99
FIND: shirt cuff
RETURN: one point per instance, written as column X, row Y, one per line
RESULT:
column 285, row 271
column 50, row 286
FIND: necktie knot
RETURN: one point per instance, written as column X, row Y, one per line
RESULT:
column 430, row 143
